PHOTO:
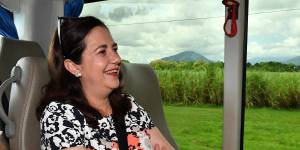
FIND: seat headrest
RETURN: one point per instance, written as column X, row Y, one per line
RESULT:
column 12, row 50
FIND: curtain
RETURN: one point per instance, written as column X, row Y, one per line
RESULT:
column 7, row 25
column 73, row 8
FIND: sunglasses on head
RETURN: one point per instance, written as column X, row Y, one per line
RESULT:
column 59, row 23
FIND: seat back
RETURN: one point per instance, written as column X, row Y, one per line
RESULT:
column 10, row 52
column 25, row 97
column 140, row 81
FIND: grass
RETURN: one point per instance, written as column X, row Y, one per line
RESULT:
column 272, row 129
column 195, row 127
column 200, row 127
column 263, row 89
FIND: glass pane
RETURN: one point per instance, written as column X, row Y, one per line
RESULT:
column 272, row 118
column 184, row 43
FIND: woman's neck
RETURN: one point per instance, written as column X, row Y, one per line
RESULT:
column 100, row 103
column 98, row 100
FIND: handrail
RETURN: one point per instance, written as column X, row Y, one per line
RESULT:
column 9, row 124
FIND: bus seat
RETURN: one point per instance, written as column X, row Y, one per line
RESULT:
column 11, row 51
column 24, row 99
column 141, row 82
column 138, row 79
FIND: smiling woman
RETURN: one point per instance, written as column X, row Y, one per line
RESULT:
column 153, row 30
column 179, row 28
column 83, row 106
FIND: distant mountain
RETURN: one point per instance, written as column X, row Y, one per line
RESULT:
column 186, row 56
column 295, row 60
column 284, row 60
column 268, row 59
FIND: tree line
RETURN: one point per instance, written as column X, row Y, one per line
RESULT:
column 200, row 65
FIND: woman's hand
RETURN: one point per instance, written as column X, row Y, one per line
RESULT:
column 158, row 141
column 157, row 147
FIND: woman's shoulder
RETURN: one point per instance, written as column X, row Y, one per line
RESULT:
column 56, row 105
column 139, row 114
column 59, row 109
column 135, row 106
column 62, row 126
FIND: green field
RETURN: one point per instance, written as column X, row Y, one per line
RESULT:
column 263, row 89
column 200, row 128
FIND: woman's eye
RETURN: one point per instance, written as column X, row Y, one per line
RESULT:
column 115, row 49
column 101, row 52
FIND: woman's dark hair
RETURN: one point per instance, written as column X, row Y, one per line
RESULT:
column 63, row 86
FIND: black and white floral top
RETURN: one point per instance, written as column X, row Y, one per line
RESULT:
column 63, row 126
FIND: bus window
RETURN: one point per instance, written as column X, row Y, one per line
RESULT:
column 183, row 41
column 272, row 115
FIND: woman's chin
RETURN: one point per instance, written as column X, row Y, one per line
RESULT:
column 115, row 85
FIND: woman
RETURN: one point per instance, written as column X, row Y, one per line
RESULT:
column 83, row 107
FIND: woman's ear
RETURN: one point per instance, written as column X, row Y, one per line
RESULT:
column 72, row 67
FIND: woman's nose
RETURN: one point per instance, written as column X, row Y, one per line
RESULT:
column 115, row 58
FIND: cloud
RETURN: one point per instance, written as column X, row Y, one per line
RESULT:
column 141, row 11
column 157, row 40
column 119, row 13
column 258, row 5
column 148, row 30
column 293, row 25
column 93, row 9
column 287, row 48
column 274, row 34
column 171, row 39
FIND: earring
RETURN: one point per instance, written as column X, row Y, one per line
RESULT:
column 78, row 74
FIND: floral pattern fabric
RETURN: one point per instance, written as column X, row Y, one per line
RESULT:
column 63, row 126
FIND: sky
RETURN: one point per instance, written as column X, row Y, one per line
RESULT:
column 147, row 30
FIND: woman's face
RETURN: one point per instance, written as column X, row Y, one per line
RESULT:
column 100, row 61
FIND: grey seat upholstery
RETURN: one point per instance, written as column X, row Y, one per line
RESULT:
column 139, row 80
column 11, row 51
column 25, row 97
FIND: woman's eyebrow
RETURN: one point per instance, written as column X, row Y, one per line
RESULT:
column 104, row 46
